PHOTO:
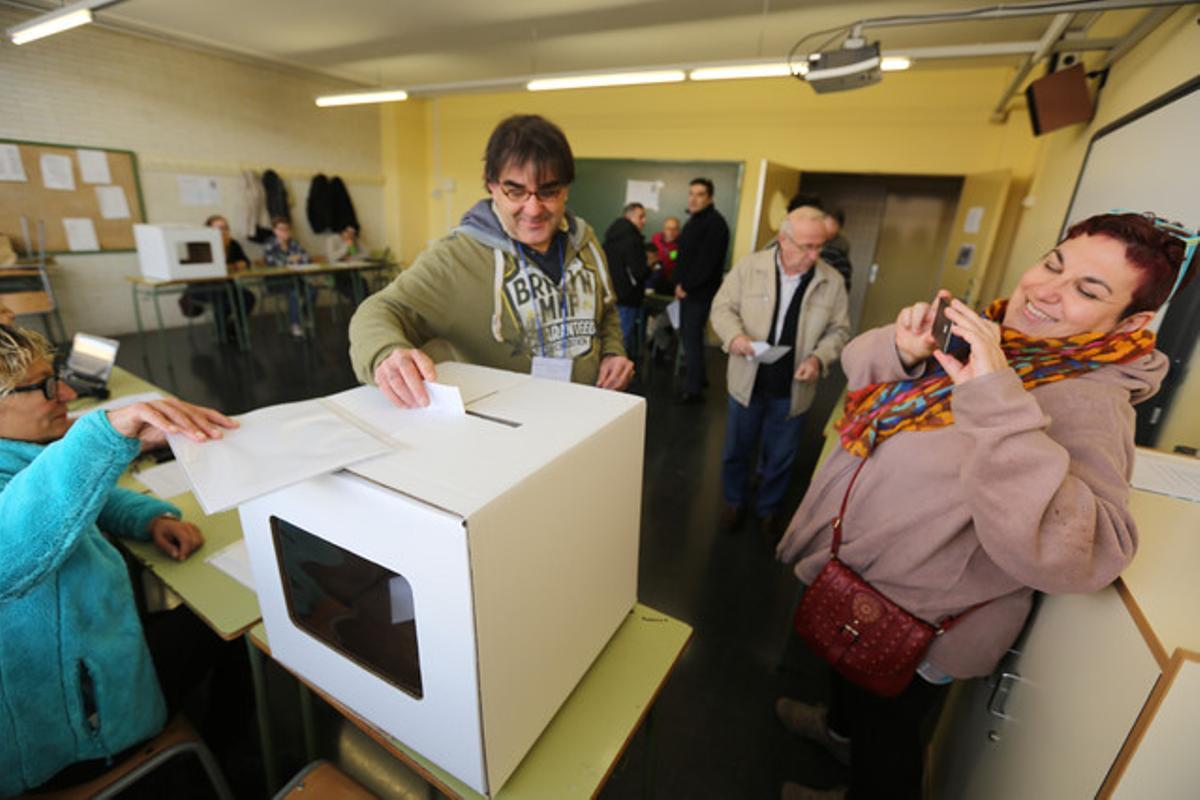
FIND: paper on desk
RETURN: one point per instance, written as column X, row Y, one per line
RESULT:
column 93, row 166
column 113, row 204
column 119, row 402
column 768, row 354
column 274, row 447
column 11, row 168
column 234, row 560
column 1166, row 473
column 165, row 480
column 673, row 313
column 57, row 172
column 81, row 234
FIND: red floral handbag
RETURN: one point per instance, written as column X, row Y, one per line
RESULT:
column 866, row 637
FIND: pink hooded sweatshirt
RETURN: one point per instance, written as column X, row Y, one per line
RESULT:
column 1025, row 491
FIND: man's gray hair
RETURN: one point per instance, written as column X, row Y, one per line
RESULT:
column 811, row 213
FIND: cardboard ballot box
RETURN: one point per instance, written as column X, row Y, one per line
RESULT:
column 454, row 590
column 179, row 252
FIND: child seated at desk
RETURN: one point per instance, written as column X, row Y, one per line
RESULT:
column 284, row 251
column 82, row 680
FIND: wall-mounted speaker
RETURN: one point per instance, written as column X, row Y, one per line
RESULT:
column 1059, row 99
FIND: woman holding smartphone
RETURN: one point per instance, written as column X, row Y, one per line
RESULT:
column 985, row 479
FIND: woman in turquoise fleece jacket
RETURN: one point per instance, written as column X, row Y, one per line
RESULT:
column 76, row 678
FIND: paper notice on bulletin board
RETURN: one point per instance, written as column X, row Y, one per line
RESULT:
column 644, row 192
column 198, row 191
column 81, row 234
column 57, row 172
column 113, row 204
column 93, row 166
column 11, row 168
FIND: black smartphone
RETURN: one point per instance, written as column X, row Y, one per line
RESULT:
column 944, row 340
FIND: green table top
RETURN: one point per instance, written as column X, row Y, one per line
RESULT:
column 224, row 603
column 575, row 754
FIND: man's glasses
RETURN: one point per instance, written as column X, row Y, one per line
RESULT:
column 48, row 386
column 519, row 194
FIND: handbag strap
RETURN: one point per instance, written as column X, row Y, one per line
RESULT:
column 836, row 545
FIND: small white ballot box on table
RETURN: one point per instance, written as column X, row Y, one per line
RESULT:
column 455, row 589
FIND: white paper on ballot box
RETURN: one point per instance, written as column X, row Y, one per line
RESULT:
column 274, row 447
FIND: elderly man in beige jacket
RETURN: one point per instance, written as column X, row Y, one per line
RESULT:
column 783, row 295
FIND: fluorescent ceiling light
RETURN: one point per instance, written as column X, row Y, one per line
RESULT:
column 737, row 71
column 358, row 98
column 609, row 79
column 56, row 21
column 895, row 63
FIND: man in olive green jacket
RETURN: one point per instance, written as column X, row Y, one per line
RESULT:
column 784, row 295
column 521, row 284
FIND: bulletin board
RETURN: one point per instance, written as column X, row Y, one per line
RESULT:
column 117, row 191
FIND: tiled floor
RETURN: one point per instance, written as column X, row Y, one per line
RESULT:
column 715, row 735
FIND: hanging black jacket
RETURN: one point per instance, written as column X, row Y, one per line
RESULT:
column 277, row 196
column 341, row 209
column 317, row 206
column 625, row 251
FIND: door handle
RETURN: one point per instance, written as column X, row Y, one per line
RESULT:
column 998, row 702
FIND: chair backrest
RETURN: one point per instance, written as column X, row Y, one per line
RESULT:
column 177, row 738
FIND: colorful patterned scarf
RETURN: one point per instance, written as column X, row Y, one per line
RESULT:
column 875, row 412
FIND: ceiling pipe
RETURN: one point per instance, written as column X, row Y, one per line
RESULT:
column 1053, row 33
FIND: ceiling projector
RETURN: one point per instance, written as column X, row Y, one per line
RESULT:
column 855, row 65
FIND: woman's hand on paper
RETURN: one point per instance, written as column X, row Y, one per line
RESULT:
column 402, row 375
column 150, row 422
column 176, row 538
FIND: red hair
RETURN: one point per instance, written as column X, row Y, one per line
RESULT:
column 1152, row 251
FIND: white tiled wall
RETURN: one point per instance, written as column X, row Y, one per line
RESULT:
column 183, row 112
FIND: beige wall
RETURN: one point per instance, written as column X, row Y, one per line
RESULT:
column 183, row 112
column 931, row 121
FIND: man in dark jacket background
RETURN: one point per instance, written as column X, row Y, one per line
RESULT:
column 703, row 243
column 625, row 250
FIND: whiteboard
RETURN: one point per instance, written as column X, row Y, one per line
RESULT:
column 1147, row 163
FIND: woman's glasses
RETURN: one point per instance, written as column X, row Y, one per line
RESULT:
column 48, row 386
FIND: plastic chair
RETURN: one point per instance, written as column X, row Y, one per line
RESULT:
column 322, row 780
column 178, row 738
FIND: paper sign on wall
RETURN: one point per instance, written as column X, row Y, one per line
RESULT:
column 113, row 204
column 93, row 166
column 196, row 190
column 644, row 192
column 81, row 234
column 57, row 172
column 11, row 168
column 974, row 219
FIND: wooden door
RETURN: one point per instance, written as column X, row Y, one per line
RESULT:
column 917, row 217
column 777, row 183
